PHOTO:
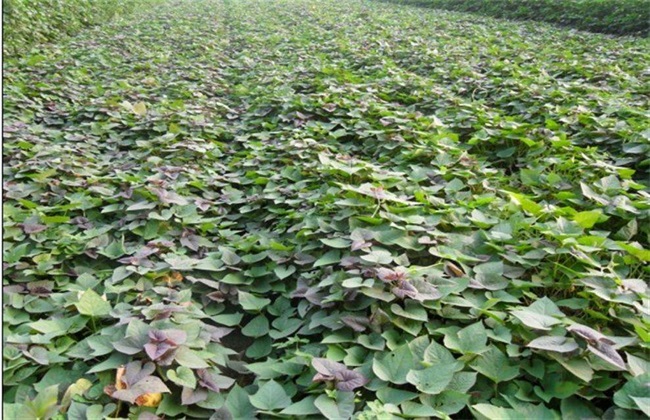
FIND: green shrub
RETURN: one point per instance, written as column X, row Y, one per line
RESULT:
column 30, row 22
column 620, row 17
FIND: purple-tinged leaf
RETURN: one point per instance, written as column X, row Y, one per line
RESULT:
column 608, row 354
column 191, row 396
column 147, row 415
column 327, row 367
column 349, row 380
column 206, row 380
column 360, row 244
column 131, row 345
column 40, row 288
column 319, row 377
column 157, row 350
column 135, row 371
column 404, row 289
column 589, row 334
column 395, row 275
column 190, row 240
column 554, row 343
column 357, row 323
column 147, row 385
column 169, row 197
column 33, row 227
column 425, row 291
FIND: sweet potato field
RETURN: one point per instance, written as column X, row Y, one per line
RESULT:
column 326, row 209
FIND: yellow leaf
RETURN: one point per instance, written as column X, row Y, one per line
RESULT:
column 174, row 277
column 140, row 108
column 149, row 400
column 119, row 384
column 78, row 388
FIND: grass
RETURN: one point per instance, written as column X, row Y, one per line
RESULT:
column 326, row 209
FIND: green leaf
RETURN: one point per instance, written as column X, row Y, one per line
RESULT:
column 43, row 406
column 554, row 343
column 78, row 388
column 284, row 271
column 643, row 403
column 489, row 412
column 526, row 204
column 394, row 366
column 329, row 258
column 340, row 408
column 238, row 404
column 587, row 219
column 304, row 407
column 336, row 242
column 495, row 365
column 432, row 380
column 389, row 395
column 471, row 339
column 638, row 252
column 252, row 303
column 257, row 327
column 91, row 304
column 271, row 396
column 140, row 108
column 184, row 356
column 635, row 387
column 541, row 315
column 575, row 408
column 182, row 376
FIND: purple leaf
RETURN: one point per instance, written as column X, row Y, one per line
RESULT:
column 357, row 323
column 32, row 227
column 215, row 334
column 360, row 244
column 162, row 344
column 345, row 379
column 387, row 275
column 135, row 371
column 190, row 240
column 589, row 334
column 176, row 336
column 349, row 380
column 130, row 345
column 40, row 288
column 169, row 197
column 426, row 291
column 608, row 354
column 404, row 289
column 327, row 367
column 319, row 377
column 202, row 204
column 167, row 358
column 147, row 385
column 206, row 380
column 191, row 396
column 156, row 350
column 147, row 415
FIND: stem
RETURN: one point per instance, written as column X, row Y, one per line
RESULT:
column 377, row 209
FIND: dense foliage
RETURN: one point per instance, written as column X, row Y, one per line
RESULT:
column 30, row 22
column 620, row 17
column 238, row 209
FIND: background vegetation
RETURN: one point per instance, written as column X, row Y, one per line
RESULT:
column 29, row 22
column 342, row 209
column 621, row 17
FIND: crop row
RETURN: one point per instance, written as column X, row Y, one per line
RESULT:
column 27, row 23
column 620, row 17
